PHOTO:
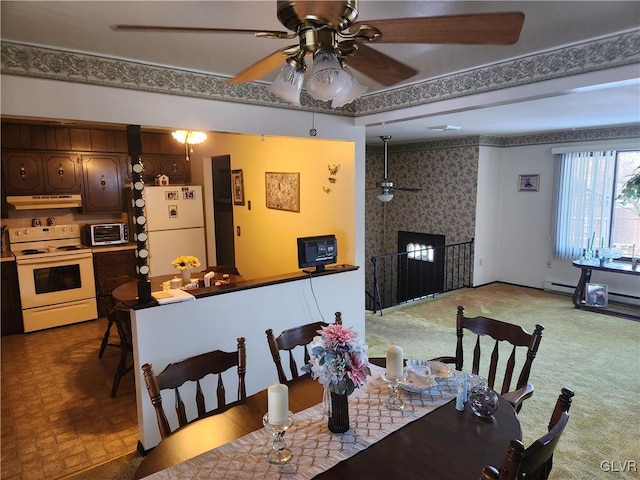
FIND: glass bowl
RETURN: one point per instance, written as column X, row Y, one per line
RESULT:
column 483, row 401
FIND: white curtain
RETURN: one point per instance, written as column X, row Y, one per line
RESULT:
column 585, row 202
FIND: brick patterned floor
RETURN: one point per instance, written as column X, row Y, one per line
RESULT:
column 57, row 413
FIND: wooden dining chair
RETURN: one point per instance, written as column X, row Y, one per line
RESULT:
column 289, row 340
column 534, row 462
column 120, row 316
column 194, row 369
column 502, row 332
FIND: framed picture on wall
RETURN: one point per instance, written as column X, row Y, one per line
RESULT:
column 237, row 186
column 597, row 295
column 283, row 191
column 528, row 182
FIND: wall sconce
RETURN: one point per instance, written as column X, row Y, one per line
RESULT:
column 189, row 138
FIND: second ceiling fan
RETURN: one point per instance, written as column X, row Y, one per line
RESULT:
column 385, row 187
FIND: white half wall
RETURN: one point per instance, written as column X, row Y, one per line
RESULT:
column 173, row 332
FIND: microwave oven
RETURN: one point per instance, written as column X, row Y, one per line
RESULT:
column 99, row 234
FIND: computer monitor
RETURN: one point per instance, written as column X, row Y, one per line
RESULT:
column 317, row 252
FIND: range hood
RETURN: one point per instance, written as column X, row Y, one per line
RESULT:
column 34, row 202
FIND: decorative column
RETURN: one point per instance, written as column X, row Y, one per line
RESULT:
column 139, row 219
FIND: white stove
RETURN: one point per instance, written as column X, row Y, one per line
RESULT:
column 39, row 242
column 55, row 275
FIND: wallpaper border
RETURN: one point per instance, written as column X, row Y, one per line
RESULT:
column 54, row 64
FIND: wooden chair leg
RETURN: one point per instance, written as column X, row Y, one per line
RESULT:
column 105, row 338
column 121, row 371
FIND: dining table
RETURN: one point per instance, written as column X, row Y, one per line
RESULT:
column 442, row 444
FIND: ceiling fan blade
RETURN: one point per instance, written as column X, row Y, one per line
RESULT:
column 372, row 189
column 482, row 28
column 161, row 28
column 407, row 189
column 378, row 66
column 260, row 68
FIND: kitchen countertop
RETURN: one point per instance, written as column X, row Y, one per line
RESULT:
column 113, row 248
column 7, row 257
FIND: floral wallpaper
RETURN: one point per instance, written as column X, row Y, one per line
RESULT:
column 446, row 204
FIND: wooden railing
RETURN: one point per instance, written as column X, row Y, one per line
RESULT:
column 408, row 276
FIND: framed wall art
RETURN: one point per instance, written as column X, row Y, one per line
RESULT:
column 283, row 191
column 528, row 182
column 237, row 184
column 597, row 295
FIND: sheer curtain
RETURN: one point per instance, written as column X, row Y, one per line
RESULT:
column 585, row 202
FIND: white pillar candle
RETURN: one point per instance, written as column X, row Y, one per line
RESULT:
column 394, row 362
column 278, row 400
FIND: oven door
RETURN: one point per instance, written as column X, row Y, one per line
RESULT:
column 57, row 279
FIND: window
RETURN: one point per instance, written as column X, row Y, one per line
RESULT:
column 421, row 252
column 590, row 214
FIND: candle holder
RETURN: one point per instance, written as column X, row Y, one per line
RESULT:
column 394, row 402
column 279, row 453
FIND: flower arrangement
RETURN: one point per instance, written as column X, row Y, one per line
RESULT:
column 186, row 261
column 338, row 359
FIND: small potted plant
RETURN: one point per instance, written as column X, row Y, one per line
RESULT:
column 185, row 263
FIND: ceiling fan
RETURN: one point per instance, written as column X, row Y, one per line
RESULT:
column 386, row 186
column 328, row 30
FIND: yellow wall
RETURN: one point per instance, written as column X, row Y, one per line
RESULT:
column 267, row 245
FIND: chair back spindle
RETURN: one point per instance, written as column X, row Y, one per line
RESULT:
column 501, row 332
column 194, row 369
column 289, row 340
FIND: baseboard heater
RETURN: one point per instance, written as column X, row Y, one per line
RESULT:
column 621, row 298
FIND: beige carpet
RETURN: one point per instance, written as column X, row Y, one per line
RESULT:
column 596, row 355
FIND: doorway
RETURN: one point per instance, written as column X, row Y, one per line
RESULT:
column 223, row 210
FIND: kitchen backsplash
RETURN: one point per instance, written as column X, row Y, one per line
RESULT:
column 23, row 218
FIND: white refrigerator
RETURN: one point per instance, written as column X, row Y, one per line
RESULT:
column 175, row 226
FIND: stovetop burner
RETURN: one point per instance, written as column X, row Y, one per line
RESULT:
column 31, row 251
column 70, row 247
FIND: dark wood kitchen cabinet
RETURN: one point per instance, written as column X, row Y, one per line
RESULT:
column 112, row 269
column 103, row 184
column 175, row 167
column 34, row 173
column 11, row 306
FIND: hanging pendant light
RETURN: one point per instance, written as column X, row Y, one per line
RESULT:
column 189, row 138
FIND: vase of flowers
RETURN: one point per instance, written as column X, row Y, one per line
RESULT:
column 339, row 362
column 185, row 263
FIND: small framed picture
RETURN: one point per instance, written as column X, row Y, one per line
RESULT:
column 529, row 182
column 597, row 295
column 237, row 185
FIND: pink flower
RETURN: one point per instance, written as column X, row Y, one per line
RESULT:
column 337, row 335
column 359, row 369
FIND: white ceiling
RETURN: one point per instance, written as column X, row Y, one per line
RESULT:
column 84, row 26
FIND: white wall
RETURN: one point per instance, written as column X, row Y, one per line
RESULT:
column 526, row 226
column 486, row 257
column 171, row 332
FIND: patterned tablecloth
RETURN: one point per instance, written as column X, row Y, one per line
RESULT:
column 315, row 449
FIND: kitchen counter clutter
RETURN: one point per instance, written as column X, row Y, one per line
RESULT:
column 127, row 292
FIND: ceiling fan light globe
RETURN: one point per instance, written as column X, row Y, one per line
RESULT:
column 385, row 197
column 348, row 95
column 327, row 78
column 288, row 84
